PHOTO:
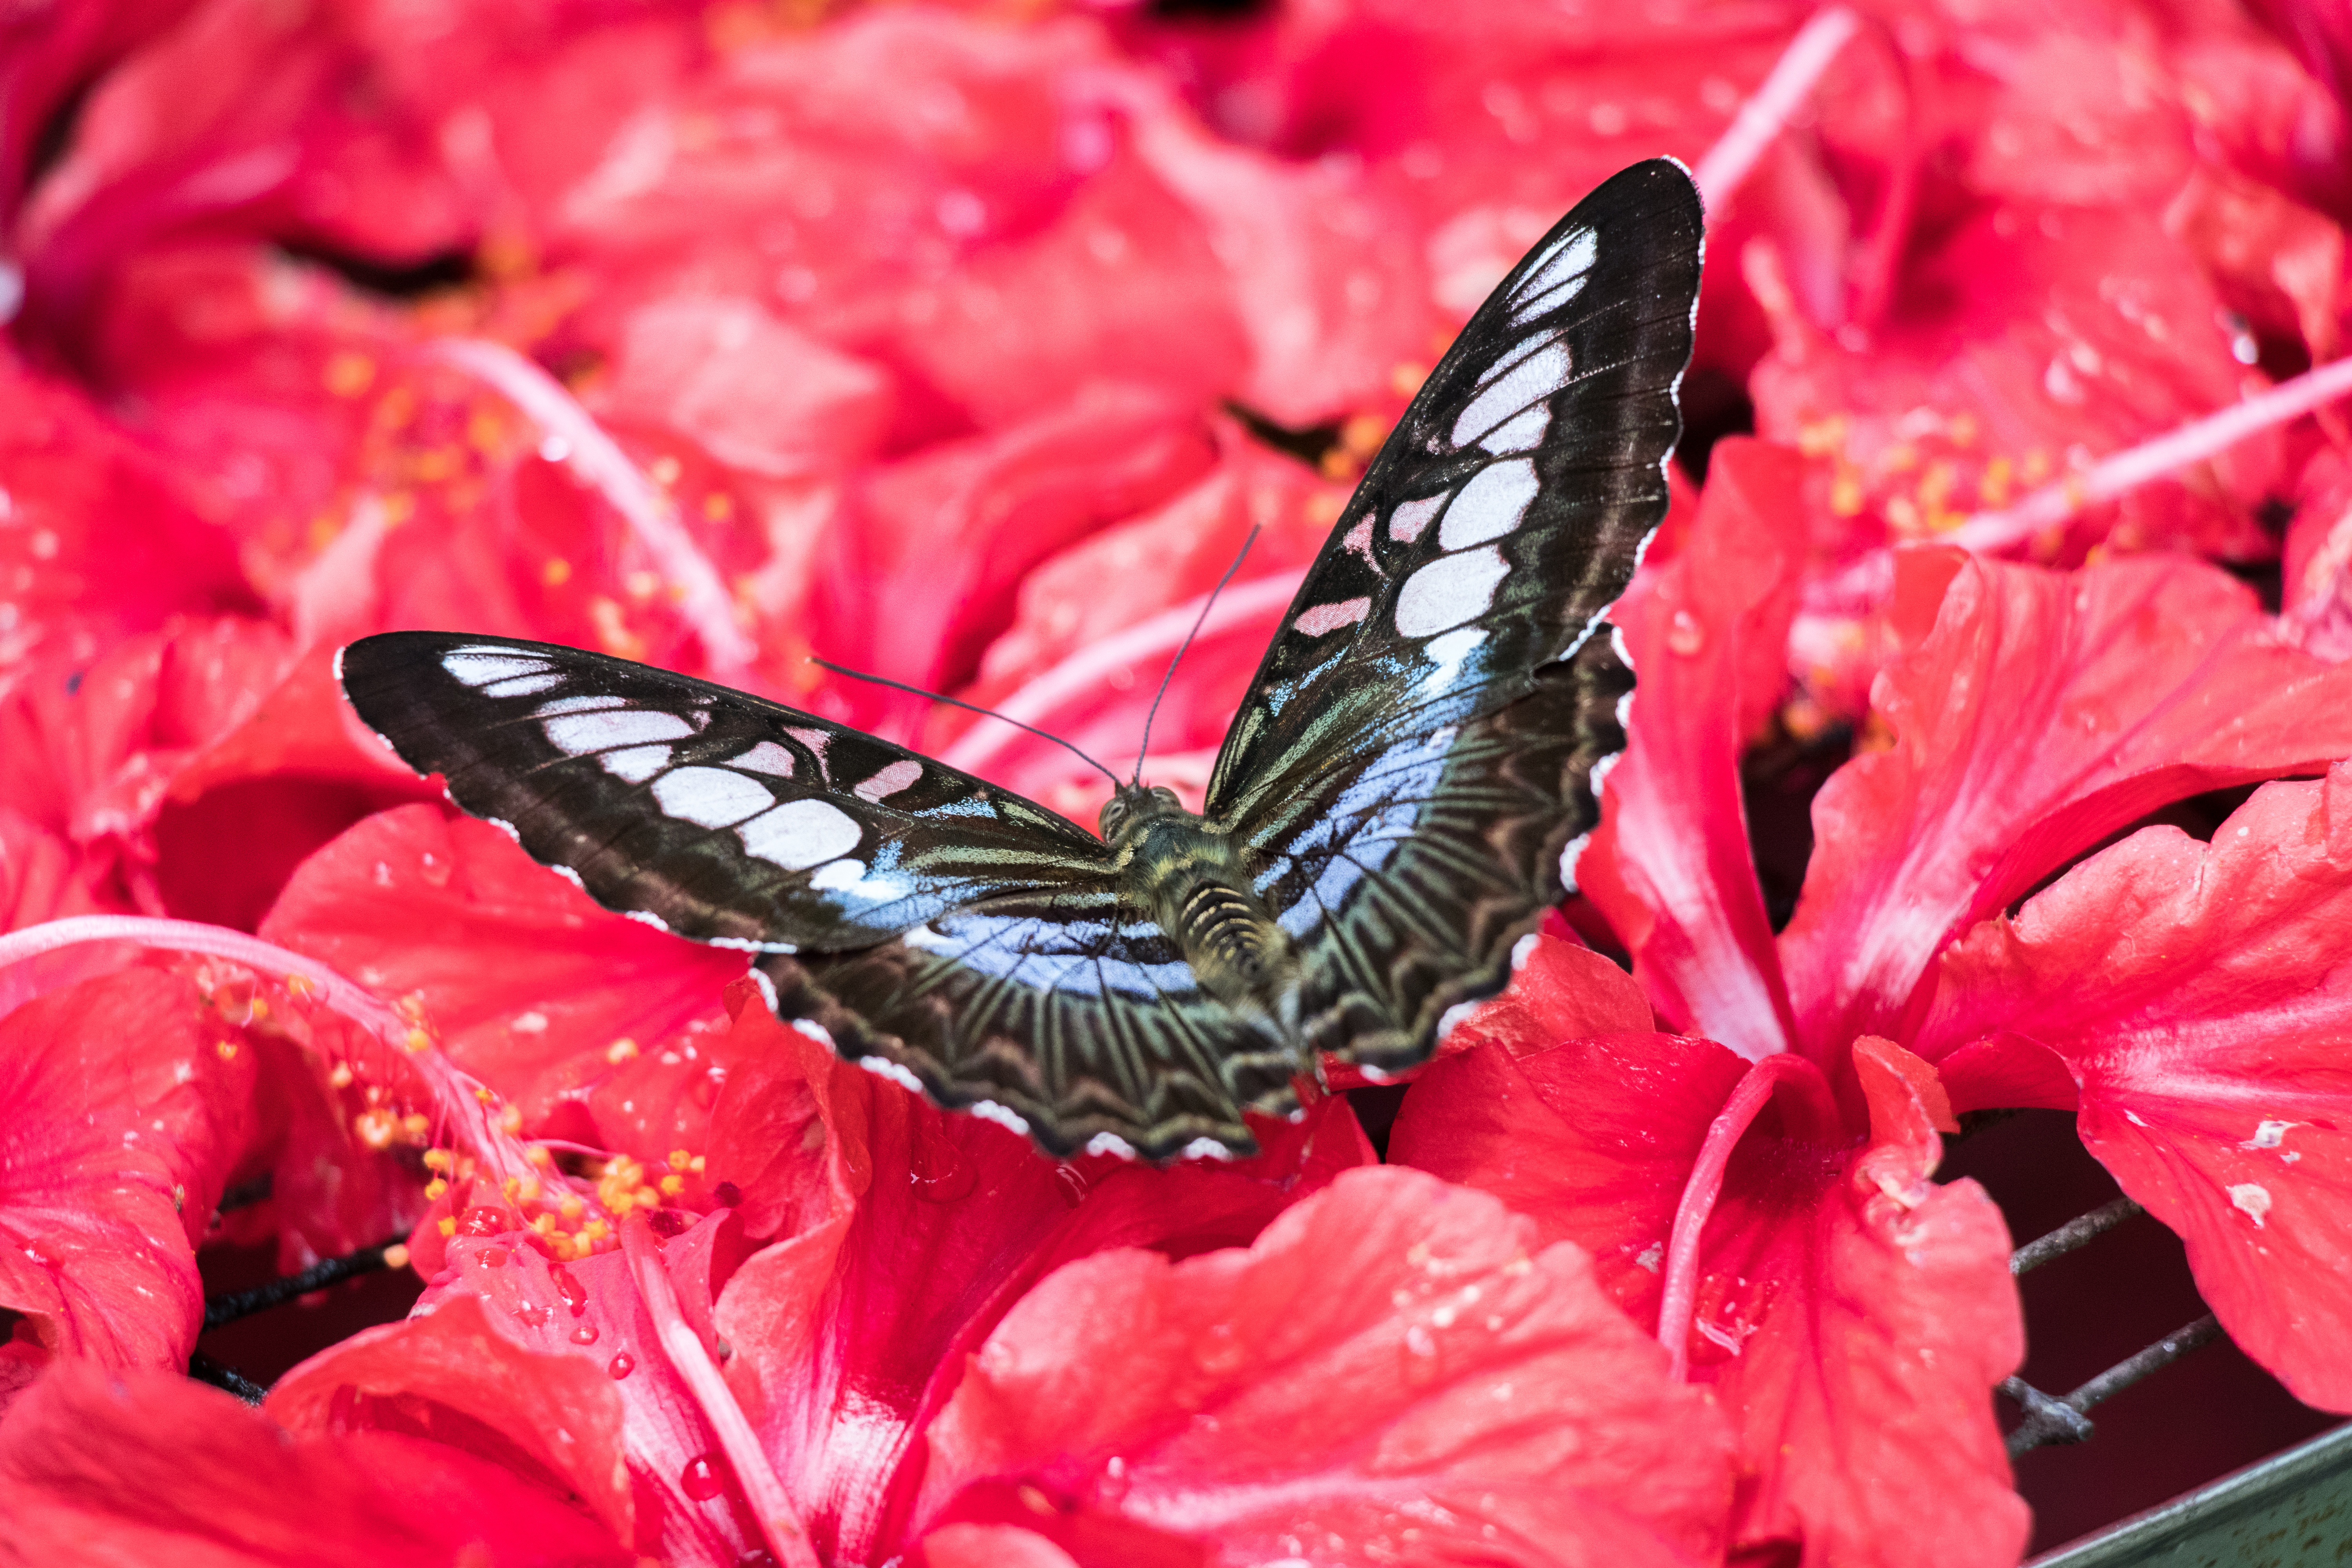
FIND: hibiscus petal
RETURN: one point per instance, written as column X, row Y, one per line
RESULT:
column 1462, row 1386
column 1670, row 865
column 600, row 1028
column 2038, row 713
column 1592, row 1139
column 1856, row 1318
column 127, row 1107
column 141, row 1467
column 2199, row 996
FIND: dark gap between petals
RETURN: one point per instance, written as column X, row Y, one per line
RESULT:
column 56, row 136
column 2198, row 815
column 1779, row 776
column 235, row 1304
column 1714, row 405
column 1308, row 445
column 1376, row 1107
column 245, row 1194
column 1207, row 10
column 432, row 274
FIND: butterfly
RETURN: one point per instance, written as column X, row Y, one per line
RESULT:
column 1404, row 790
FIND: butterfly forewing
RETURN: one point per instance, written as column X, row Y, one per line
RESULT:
column 1416, row 752
column 713, row 813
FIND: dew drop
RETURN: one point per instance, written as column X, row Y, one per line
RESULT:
column 1684, row 634
column 533, row 1314
column 585, row 1334
column 494, row 1257
column 484, row 1221
column 621, row 1365
column 699, row 1480
column 569, row 1291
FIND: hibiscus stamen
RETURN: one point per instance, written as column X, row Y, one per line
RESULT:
column 460, row 1100
column 2111, row 476
column 1747, row 1098
column 595, row 457
column 761, row 1488
column 1766, row 113
column 1093, row 667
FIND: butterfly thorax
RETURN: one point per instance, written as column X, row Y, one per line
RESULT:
column 1189, row 878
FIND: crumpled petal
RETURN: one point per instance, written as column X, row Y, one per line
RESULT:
column 2197, row 993
column 1466, row 1387
column 917, row 1228
column 127, row 1468
column 1670, row 864
column 2038, row 712
column 128, row 1097
column 602, row 1029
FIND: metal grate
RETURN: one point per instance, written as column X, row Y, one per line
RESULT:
column 2062, row 1419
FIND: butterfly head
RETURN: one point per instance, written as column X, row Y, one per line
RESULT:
column 1132, row 806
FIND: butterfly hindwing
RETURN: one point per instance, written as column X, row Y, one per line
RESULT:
column 712, row 813
column 1419, row 746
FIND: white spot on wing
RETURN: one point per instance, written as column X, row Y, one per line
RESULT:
column 1569, row 858
column 800, row 833
column 838, row 875
column 1449, row 591
column 1407, row 521
column 1559, row 278
column 1447, row 656
column 711, row 798
column 1519, row 390
column 479, row 667
column 767, row 989
column 1452, row 1018
column 1492, row 504
column 646, row 916
column 900, row 774
column 1523, row 949
column 605, row 730
column 1205, row 1149
column 525, row 685
column 768, row 758
column 2251, row 1199
column 1323, row 619
column 635, row 764
column 1110, row 1143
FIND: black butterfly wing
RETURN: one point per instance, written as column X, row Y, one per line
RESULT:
column 1420, row 748
column 1061, row 1011
column 945, row 932
column 710, row 812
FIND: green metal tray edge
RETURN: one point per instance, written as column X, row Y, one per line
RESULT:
column 2293, row 1510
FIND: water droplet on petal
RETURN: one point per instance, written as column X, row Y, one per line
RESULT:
column 585, row 1334
column 494, row 1257
column 1685, row 634
column 569, row 1291
column 699, row 1480
column 621, row 1365
column 533, row 1314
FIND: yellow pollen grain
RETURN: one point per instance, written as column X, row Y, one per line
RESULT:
column 227, row 1049
column 256, row 1010
column 449, row 1226
column 647, row 1198
column 418, row 1043
column 545, row 1223
column 538, row 1154
column 398, row 508
column 526, row 1189
column 621, row 1050
column 673, row 1185
column 511, row 1119
column 485, row 431
column 509, row 1188
column 300, row 985
column 482, row 1093
column 717, row 506
column 348, row 374
column 435, row 1188
column 679, row 1159
column 595, row 1230
column 340, row 1075
column 1845, row 495
column 695, row 1164
column 556, row 573
column 375, row 1128
column 437, row 1160
column 571, row 1206
column 396, row 1255
column 562, row 1245
column 416, row 1124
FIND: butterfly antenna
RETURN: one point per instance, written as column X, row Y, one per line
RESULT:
column 967, row 707
column 1200, row 621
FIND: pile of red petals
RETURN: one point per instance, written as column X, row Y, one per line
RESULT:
column 965, row 347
